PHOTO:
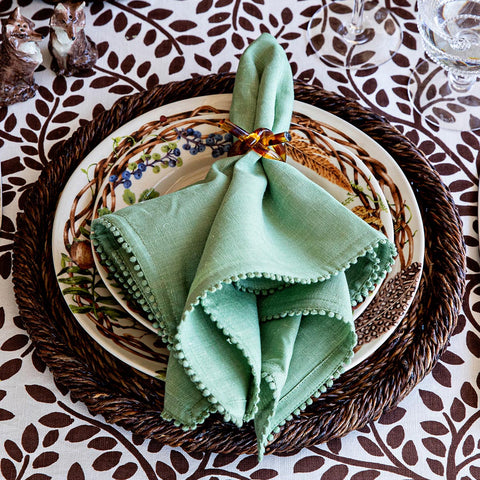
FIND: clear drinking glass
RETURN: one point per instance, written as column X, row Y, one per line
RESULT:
column 354, row 34
column 447, row 92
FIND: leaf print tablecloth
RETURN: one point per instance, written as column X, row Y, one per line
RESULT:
column 433, row 433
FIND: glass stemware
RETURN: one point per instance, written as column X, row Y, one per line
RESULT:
column 354, row 34
column 447, row 92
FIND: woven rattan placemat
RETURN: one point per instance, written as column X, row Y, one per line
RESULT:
column 133, row 400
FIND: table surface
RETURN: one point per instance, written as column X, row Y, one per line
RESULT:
column 433, row 433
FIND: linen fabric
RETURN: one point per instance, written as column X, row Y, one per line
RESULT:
column 250, row 274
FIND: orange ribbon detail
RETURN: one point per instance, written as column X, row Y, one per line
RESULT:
column 262, row 141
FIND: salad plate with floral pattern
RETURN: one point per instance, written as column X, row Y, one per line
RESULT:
column 174, row 146
column 142, row 173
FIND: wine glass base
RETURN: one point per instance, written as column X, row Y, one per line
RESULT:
column 440, row 105
column 338, row 44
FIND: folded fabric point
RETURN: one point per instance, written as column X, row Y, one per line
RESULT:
column 255, row 296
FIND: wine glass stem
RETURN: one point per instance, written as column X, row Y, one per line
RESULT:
column 357, row 16
column 460, row 83
column 355, row 29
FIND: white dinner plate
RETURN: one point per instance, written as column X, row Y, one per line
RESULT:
column 115, row 327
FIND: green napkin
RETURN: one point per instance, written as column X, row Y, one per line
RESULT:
column 251, row 274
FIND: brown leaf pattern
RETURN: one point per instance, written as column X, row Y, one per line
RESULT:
column 433, row 433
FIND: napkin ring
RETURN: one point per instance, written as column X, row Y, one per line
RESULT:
column 262, row 141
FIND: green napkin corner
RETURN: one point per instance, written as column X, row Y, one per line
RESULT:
column 250, row 274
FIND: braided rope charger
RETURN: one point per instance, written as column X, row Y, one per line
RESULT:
column 133, row 400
